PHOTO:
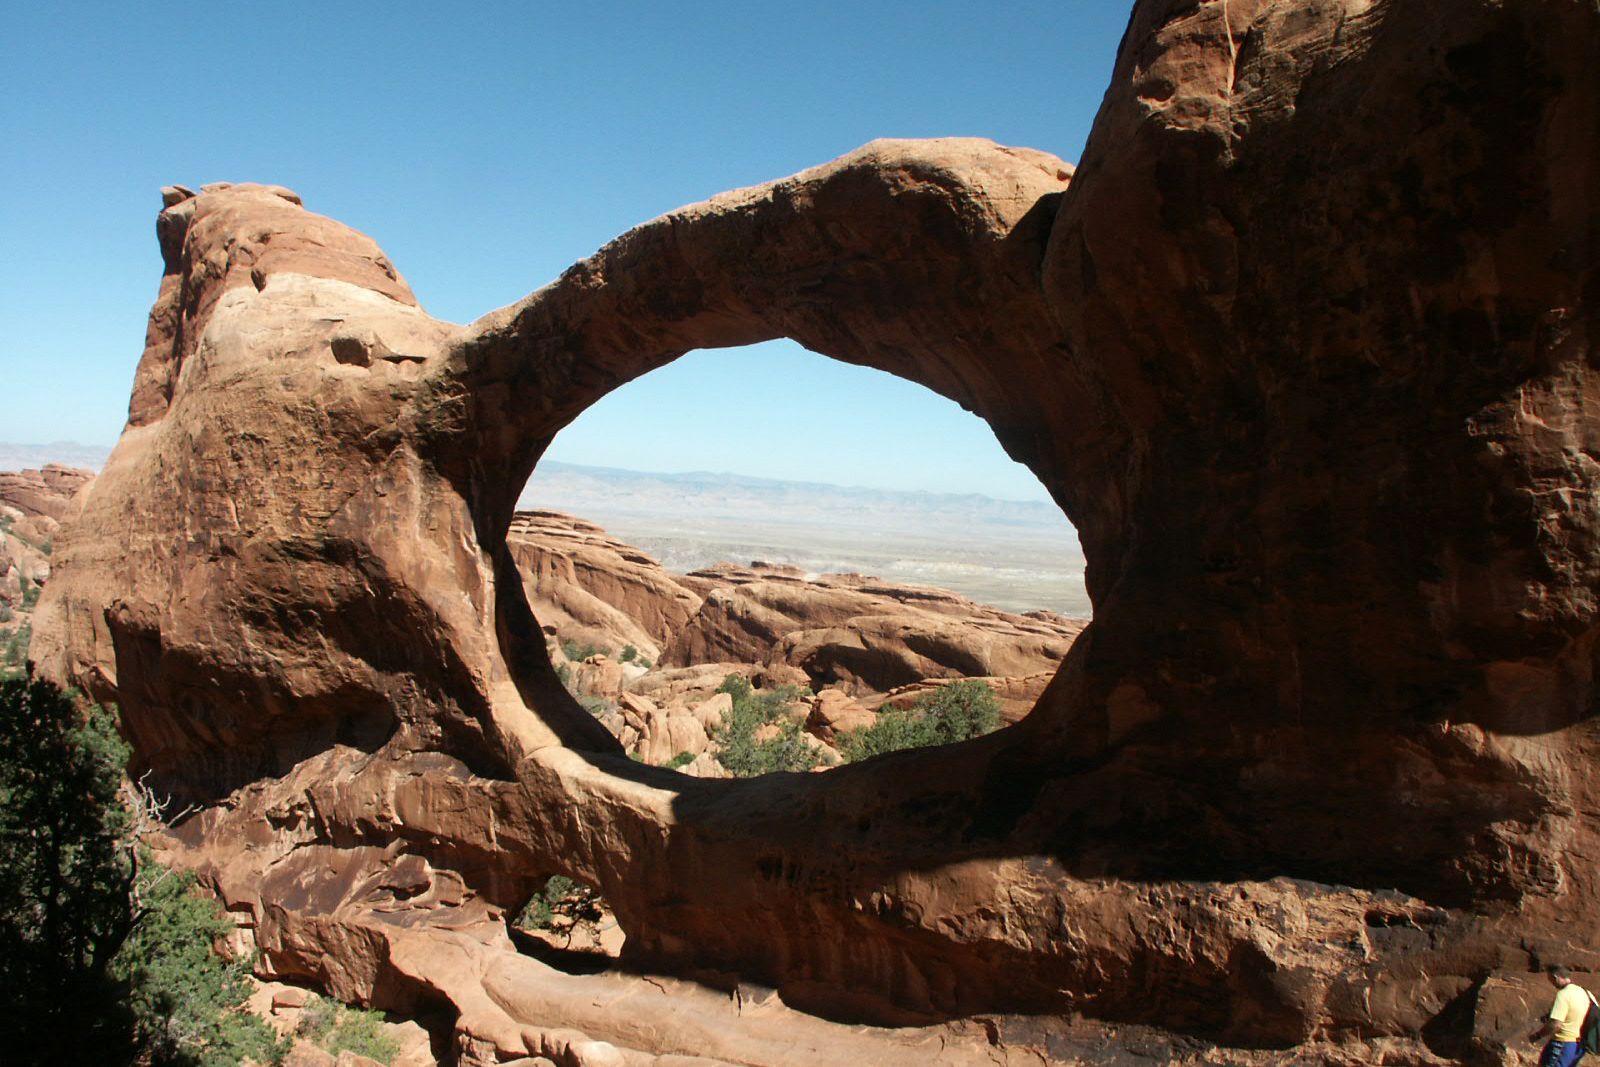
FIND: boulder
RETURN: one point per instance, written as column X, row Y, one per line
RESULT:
column 713, row 710
column 705, row 765
column 346, row 1058
column 599, row 676
column 290, row 998
column 834, row 712
column 305, row 1054
column 637, row 709
column 670, row 736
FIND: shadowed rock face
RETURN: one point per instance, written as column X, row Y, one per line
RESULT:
column 1304, row 352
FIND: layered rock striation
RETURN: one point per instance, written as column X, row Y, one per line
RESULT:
column 1304, row 349
column 848, row 631
column 860, row 633
column 33, row 504
column 589, row 587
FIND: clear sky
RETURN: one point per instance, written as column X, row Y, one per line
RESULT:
column 488, row 146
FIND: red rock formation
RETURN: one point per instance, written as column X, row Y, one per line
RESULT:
column 838, row 629
column 44, row 495
column 862, row 633
column 33, row 504
column 592, row 588
column 1305, row 353
column 833, row 713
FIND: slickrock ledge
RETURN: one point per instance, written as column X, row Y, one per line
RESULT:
column 587, row 585
column 1304, row 351
column 850, row 631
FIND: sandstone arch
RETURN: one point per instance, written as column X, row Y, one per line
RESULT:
column 1318, row 765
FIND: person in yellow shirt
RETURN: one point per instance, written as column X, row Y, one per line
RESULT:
column 1561, row 1029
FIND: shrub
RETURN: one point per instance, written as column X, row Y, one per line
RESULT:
column 596, row 706
column 104, row 956
column 954, row 712
column 740, row 752
column 362, row 1033
column 564, row 906
column 187, row 999
column 682, row 759
column 30, row 592
column 961, row 710
column 628, row 652
column 316, row 1021
column 577, row 653
column 337, row 1028
column 16, row 653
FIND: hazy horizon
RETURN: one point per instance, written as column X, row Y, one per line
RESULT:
column 742, row 476
column 17, row 455
column 1019, row 555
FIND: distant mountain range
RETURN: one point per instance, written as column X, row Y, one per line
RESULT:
column 594, row 492
column 16, row 457
column 1014, row 554
column 1018, row 555
column 591, row 491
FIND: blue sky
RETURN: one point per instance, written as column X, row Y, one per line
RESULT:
column 488, row 147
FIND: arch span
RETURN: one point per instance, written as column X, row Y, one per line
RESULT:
column 1304, row 353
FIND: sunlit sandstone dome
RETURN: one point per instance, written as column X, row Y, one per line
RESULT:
column 1302, row 349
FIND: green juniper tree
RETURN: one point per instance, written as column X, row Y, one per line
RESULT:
column 953, row 712
column 64, row 911
column 105, row 958
column 738, row 749
column 564, row 906
column 185, row 997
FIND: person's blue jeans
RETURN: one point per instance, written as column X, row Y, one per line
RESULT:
column 1561, row 1054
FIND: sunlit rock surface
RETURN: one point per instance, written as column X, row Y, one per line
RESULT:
column 33, row 504
column 849, row 630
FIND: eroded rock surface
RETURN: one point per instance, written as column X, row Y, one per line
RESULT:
column 849, row 630
column 586, row 585
column 858, row 632
column 33, row 504
column 1305, row 352
column 38, row 500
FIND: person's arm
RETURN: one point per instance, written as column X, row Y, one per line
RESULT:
column 1552, row 1022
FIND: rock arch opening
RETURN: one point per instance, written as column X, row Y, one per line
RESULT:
column 566, row 923
column 846, row 540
